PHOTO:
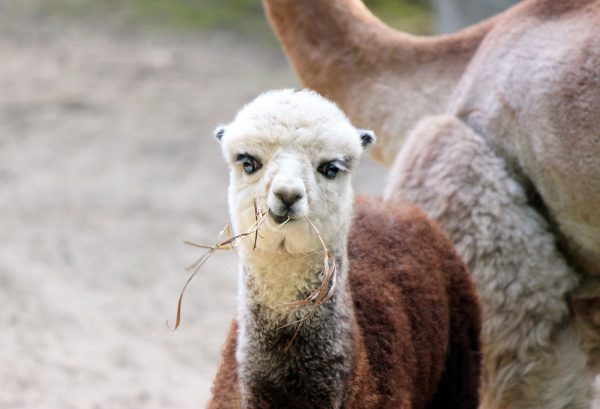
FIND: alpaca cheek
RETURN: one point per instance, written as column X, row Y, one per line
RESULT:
column 335, row 213
column 241, row 211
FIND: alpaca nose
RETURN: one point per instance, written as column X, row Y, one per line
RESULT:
column 288, row 198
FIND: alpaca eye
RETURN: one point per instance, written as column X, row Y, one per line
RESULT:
column 329, row 169
column 249, row 163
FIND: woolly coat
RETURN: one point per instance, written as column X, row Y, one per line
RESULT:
column 417, row 317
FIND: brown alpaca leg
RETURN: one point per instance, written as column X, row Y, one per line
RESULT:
column 531, row 351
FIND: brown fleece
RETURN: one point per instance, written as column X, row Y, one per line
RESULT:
column 226, row 389
column 417, row 317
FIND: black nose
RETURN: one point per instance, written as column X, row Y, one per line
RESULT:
column 288, row 198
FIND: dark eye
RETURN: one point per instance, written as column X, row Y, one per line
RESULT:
column 329, row 169
column 249, row 163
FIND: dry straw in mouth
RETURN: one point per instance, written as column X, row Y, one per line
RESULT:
column 228, row 244
column 317, row 297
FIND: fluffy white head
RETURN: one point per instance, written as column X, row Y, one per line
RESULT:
column 292, row 152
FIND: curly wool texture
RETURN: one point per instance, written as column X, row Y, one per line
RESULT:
column 532, row 349
column 416, row 317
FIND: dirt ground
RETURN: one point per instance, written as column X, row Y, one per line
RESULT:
column 107, row 163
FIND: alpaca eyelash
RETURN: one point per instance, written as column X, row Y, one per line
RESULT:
column 341, row 164
column 330, row 169
column 241, row 157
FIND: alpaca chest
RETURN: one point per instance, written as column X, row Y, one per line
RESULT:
column 306, row 366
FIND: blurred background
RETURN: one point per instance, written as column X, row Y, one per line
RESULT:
column 107, row 163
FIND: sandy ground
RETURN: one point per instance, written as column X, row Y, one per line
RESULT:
column 107, row 162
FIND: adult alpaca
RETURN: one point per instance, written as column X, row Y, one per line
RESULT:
column 505, row 157
column 401, row 328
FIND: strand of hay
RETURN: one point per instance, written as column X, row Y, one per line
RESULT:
column 228, row 244
column 321, row 294
column 328, row 278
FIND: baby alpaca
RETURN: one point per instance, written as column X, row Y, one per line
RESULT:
column 401, row 329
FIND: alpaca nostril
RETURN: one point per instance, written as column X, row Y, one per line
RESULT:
column 288, row 198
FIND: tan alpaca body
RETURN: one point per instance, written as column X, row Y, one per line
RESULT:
column 525, row 83
column 533, row 92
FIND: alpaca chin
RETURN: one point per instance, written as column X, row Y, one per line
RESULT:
column 293, row 238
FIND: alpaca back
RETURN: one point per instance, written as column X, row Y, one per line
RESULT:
column 417, row 317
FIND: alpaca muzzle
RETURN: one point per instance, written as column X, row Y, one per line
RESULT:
column 279, row 219
column 287, row 203
column 285, row 209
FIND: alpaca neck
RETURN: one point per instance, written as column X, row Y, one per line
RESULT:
column 341, row 50
column 295, row 359
column 274, row 280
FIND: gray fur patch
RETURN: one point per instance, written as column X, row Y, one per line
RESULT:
column 313, row 372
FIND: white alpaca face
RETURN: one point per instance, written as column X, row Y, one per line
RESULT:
column 292, row 153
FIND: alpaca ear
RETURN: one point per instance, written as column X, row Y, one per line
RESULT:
column 367, row 137
column 220, row 131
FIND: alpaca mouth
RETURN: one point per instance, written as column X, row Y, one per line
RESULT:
column 280, row 219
